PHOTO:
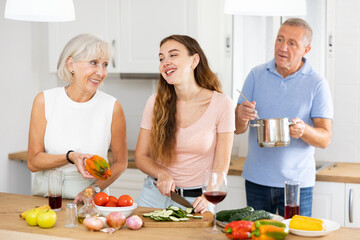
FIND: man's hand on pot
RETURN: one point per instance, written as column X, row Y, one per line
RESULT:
column 297, row 130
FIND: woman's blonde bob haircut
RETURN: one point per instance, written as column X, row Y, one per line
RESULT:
column 83, row 47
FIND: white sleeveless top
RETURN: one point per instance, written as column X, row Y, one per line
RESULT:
column 82, row 127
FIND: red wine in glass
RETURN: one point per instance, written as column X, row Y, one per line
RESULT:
column 291, row 210
column 214, row 190
column 55, row 202
column 215, row 196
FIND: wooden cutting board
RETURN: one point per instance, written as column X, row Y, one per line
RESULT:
column 207, row 221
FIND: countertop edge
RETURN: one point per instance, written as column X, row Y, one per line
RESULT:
column 342, row 173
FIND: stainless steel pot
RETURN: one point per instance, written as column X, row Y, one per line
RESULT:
column 273, row 132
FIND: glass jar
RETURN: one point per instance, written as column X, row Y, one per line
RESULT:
column 88, row 210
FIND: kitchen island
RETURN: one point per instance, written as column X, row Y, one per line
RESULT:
column 13, row 227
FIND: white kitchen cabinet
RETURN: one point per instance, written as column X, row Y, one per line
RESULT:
column 129, row 183
column 100, row 18
column 236, row 197
column 329, row 201
column 136, row 27
column 352, row 205
column 339, row 202
column 143, row 24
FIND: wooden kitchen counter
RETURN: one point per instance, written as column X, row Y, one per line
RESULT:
column 342, row 172
column 235, row 167
column 13, row 227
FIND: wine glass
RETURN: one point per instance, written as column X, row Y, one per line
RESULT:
column 214, row 190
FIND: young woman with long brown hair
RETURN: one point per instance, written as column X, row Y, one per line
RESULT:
column 187, row 126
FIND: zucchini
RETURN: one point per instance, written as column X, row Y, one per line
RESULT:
column 198, row 217
column 224, row 215
column 257, row 215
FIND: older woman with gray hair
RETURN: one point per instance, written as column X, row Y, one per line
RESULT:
column 69, row 124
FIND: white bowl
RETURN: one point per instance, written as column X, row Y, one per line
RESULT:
column 104, row 211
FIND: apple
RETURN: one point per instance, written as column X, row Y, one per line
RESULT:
column 46, row 218
column 31, row 217
column 115, row 220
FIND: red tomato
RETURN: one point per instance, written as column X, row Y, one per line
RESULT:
column 111, row 204
column 125, row 201
column 101, row 199
column 112, row 198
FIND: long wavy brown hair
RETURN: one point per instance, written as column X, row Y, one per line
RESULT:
column 164, row 124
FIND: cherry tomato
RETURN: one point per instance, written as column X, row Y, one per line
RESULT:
column 125, row 201
column 112, row 198
column 101, row 199
column 111, row 204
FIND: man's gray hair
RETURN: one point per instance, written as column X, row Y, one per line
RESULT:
column 298, row 22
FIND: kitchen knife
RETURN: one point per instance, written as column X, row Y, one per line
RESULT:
column 180, row 200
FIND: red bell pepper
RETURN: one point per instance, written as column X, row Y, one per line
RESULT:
column 239, row 229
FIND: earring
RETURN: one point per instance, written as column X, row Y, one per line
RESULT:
column 72, row 71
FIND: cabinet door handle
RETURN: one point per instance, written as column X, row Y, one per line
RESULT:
column 113, row 58
column 351, row 200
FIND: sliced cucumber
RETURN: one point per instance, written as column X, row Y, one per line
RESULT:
column 189, row 210
column 172, row 213
column 175, row 208
column 148, row 214
column 175, row 219
column 167, row 213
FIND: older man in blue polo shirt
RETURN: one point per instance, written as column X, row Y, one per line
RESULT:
column 287, row 86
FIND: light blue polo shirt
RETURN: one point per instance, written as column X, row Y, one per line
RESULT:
column 304, row 94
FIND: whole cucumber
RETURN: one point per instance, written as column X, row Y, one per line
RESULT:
column 258, row 215
column 224, row 215
column 239, row 216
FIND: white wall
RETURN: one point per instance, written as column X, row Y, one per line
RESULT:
column 18, row 87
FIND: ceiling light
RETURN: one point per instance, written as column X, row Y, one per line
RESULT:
column 40, row 10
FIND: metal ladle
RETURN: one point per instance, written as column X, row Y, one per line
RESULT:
column 256, row 112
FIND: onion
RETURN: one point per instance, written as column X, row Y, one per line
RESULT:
column 134, row 222
column 93, row 223
column 115, row 220
column 104, row 221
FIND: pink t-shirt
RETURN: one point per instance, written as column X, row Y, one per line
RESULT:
column 196, row 144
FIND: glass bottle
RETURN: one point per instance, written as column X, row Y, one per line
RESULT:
column 88, row 210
